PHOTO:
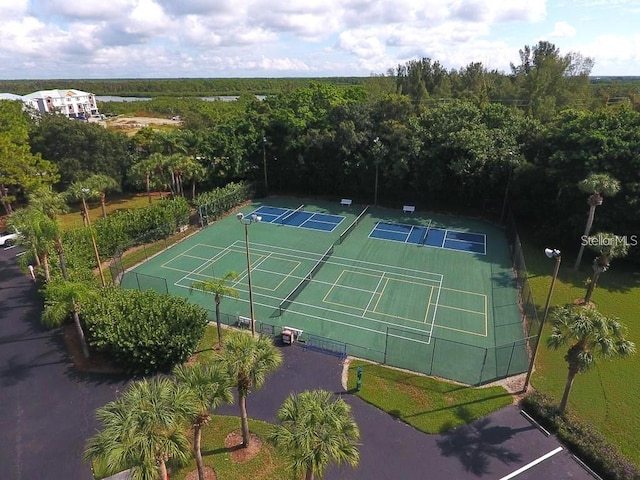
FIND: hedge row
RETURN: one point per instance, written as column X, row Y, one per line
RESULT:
column 212, row 205
column 129, row 228
column 583, row 439
column 124, row 229
column 144, row 331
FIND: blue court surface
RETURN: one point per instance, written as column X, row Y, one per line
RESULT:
column 299, row 218
column 431, row 237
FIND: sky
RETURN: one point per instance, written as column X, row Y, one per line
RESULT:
column 50, row 39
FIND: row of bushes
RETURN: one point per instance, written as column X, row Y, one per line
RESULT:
column 589, row 444
column 123, row 230
column 143, row 332
column 212, row 205
column 128, row 228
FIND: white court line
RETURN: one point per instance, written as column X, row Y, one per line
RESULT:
column 435, row 310
column 366, row 309
column 532, row 464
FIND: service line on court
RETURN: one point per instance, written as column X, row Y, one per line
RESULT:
column 374, row 293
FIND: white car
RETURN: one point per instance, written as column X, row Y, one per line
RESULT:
column 8, row 239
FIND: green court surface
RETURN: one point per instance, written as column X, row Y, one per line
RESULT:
column 426, row 292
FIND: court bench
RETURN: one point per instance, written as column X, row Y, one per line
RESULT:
column 345, row 202
column 244, row 322
column 408, row 209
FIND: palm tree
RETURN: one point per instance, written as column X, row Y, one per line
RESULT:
column 63, row 298
column 590, row 335
column 102, row 184
column 37, row 231
column 597, row 185
column 211, row 386
column 248, row 361
column 81, row 191
column 608, row 246
column 155, row 168
column 316, row 429
column 143, row 429
column 52, row 204
column 219, row 287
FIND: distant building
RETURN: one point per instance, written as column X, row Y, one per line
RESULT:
column 71, row 103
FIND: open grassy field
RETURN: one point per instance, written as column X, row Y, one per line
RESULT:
column 607, row 395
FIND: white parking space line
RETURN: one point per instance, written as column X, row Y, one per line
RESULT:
column 532, row 464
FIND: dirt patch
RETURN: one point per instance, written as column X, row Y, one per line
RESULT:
column 131, row 125
column 239, row 454
column 209, row 474
column 96, row 363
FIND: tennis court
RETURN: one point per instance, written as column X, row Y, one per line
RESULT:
column 374, row 280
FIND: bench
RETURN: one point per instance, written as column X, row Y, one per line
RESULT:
column 289, row 335
column 244, row 322
column 345, row 202
column 408, row 209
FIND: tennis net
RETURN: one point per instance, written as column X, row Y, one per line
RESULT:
column 284, row 219
column 426, row 233
column 298, row 288
column 352, row 226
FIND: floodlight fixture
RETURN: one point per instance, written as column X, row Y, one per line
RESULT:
column 552, row 252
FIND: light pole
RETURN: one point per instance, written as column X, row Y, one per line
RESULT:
column 246, row 221
column 264, row 163
column 551, row 253
column 376, row 148
column 93, row 238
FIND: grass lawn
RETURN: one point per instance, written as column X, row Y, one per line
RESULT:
column 114, row 202
column 607, row 395
column 430, row 405
column 266, row 465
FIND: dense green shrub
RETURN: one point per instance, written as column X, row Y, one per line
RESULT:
column 144, row 331
column 585, row 441
column 143, row 225
column 212, row 205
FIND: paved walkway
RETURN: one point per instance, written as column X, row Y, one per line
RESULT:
column 491, row 448
column 47, row 409
column 48, row 412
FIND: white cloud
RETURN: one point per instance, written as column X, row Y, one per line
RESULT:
column 563, row 29
column 144, row 38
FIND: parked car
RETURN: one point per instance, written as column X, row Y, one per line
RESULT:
column 8, row 239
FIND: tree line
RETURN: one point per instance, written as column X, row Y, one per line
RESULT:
column 461, row 153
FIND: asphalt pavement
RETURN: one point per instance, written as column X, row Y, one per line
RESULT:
column 47, row 412
column 46, row 408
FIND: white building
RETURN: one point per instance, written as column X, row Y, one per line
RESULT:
column 72, row 103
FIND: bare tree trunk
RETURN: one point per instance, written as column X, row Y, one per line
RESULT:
column 63, row 263
column 567, row 389
column 309, row 474
column 83, row 341
column 218, row 325
column 148, row 183
column 35, row 254
column 197, row 437
column 103, row 204
column 244, row 421
column 591, row 287
column 193, row 190
column 594, row 201
column 162, row 467
column 45, row 266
